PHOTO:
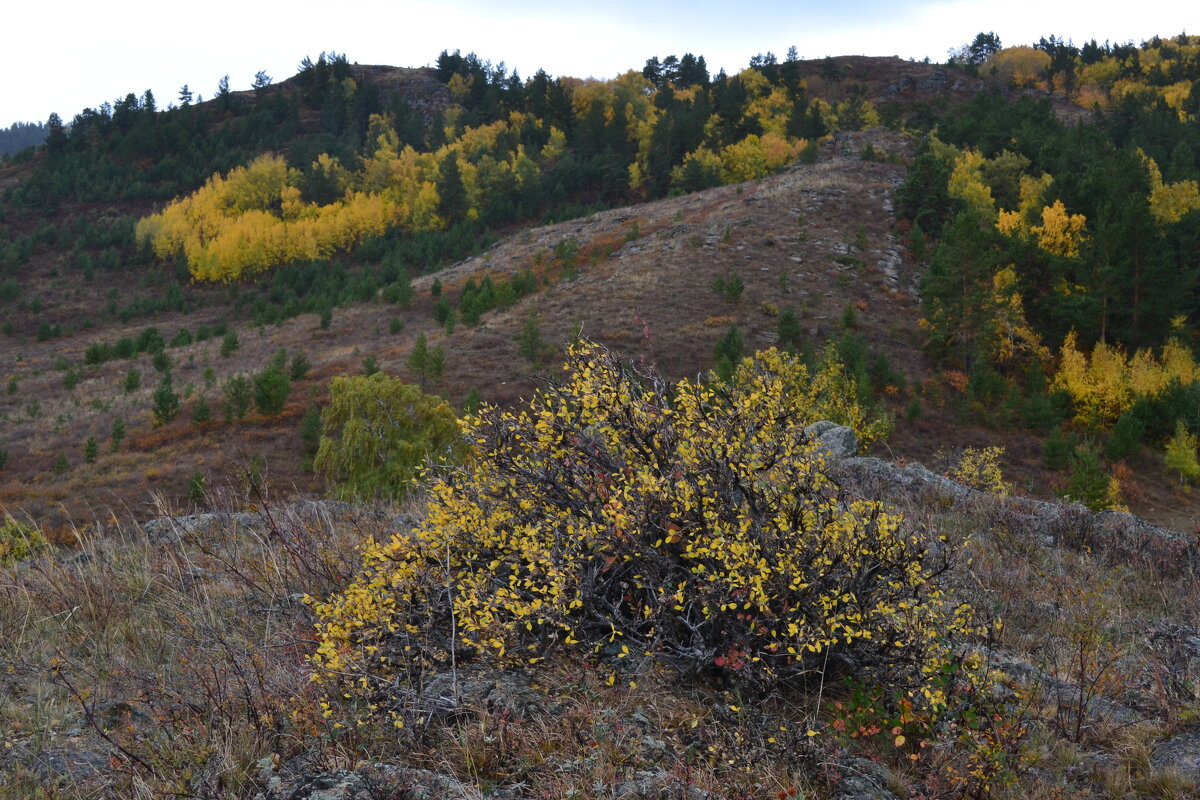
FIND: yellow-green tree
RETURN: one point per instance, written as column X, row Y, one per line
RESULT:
column 1106, row 383
column 379, row 434
column 1181, row 453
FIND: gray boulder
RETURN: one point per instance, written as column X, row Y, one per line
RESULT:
column 838, row 441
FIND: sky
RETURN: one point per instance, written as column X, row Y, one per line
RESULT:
column 67, row 55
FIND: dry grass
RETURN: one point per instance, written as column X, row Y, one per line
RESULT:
column 175, row 665
column 166, row 665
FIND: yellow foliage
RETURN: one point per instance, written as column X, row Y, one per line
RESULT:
column 829, row 394
column 256, row 217
column 967, row 183
column 1169, row 202
column 555, row 146
column 771, row 110
column 1060, row 233
column 1033, row 193
column 744, row 160
column 1106, row 384
column 1010, row 223
column 1177, row 96
column 1022, row 66
column 980, row 469
column 1016, row 340
column 693, row 525
column 1180, row 454
column 19, row 541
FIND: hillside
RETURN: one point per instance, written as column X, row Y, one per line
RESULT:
column 817, row 238
column 866, row 362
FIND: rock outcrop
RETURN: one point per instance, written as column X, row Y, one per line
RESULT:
column 1116, row 535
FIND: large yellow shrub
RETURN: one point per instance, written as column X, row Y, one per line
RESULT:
column 692, row 525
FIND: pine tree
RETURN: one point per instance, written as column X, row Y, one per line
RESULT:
column 428, row 363
column 271, row 389
column 117, row 433
column 529, row 340
column 166, row 401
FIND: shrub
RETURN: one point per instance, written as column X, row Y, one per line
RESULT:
column 1090, row 482
column 71, row 379
column 370, row 365
column 133, row 379
column 441, row 310
column 788, row 327
column 229, row 344
column 727, row 352
column 19, row 541
column 379, row 432
column 310, row 433
column 196, row 486
column 399, row 292
column 980, row 469
column 149, row 341
column 1057, row 449
column 1126, row 437
column 237, row 395
column 529, row 340
column 298, row 370
column 730, row 288
column 694, row 525
column 166, row 401
column 428, row 363
column 98, row 353
column 201, row 411
column 271, row 389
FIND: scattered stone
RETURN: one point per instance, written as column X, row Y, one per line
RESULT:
column 474, row 692
column 838, row 441
column 71, row 764
column 657, row 783
column 862, row 779
column 1181, row 753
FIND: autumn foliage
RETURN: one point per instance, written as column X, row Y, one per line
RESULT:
column 268, row 213
column 1106, row 383
column 636, row 522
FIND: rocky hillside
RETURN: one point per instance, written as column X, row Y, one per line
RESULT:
column 1095, row 664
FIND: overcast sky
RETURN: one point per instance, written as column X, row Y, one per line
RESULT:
column 66, row 55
